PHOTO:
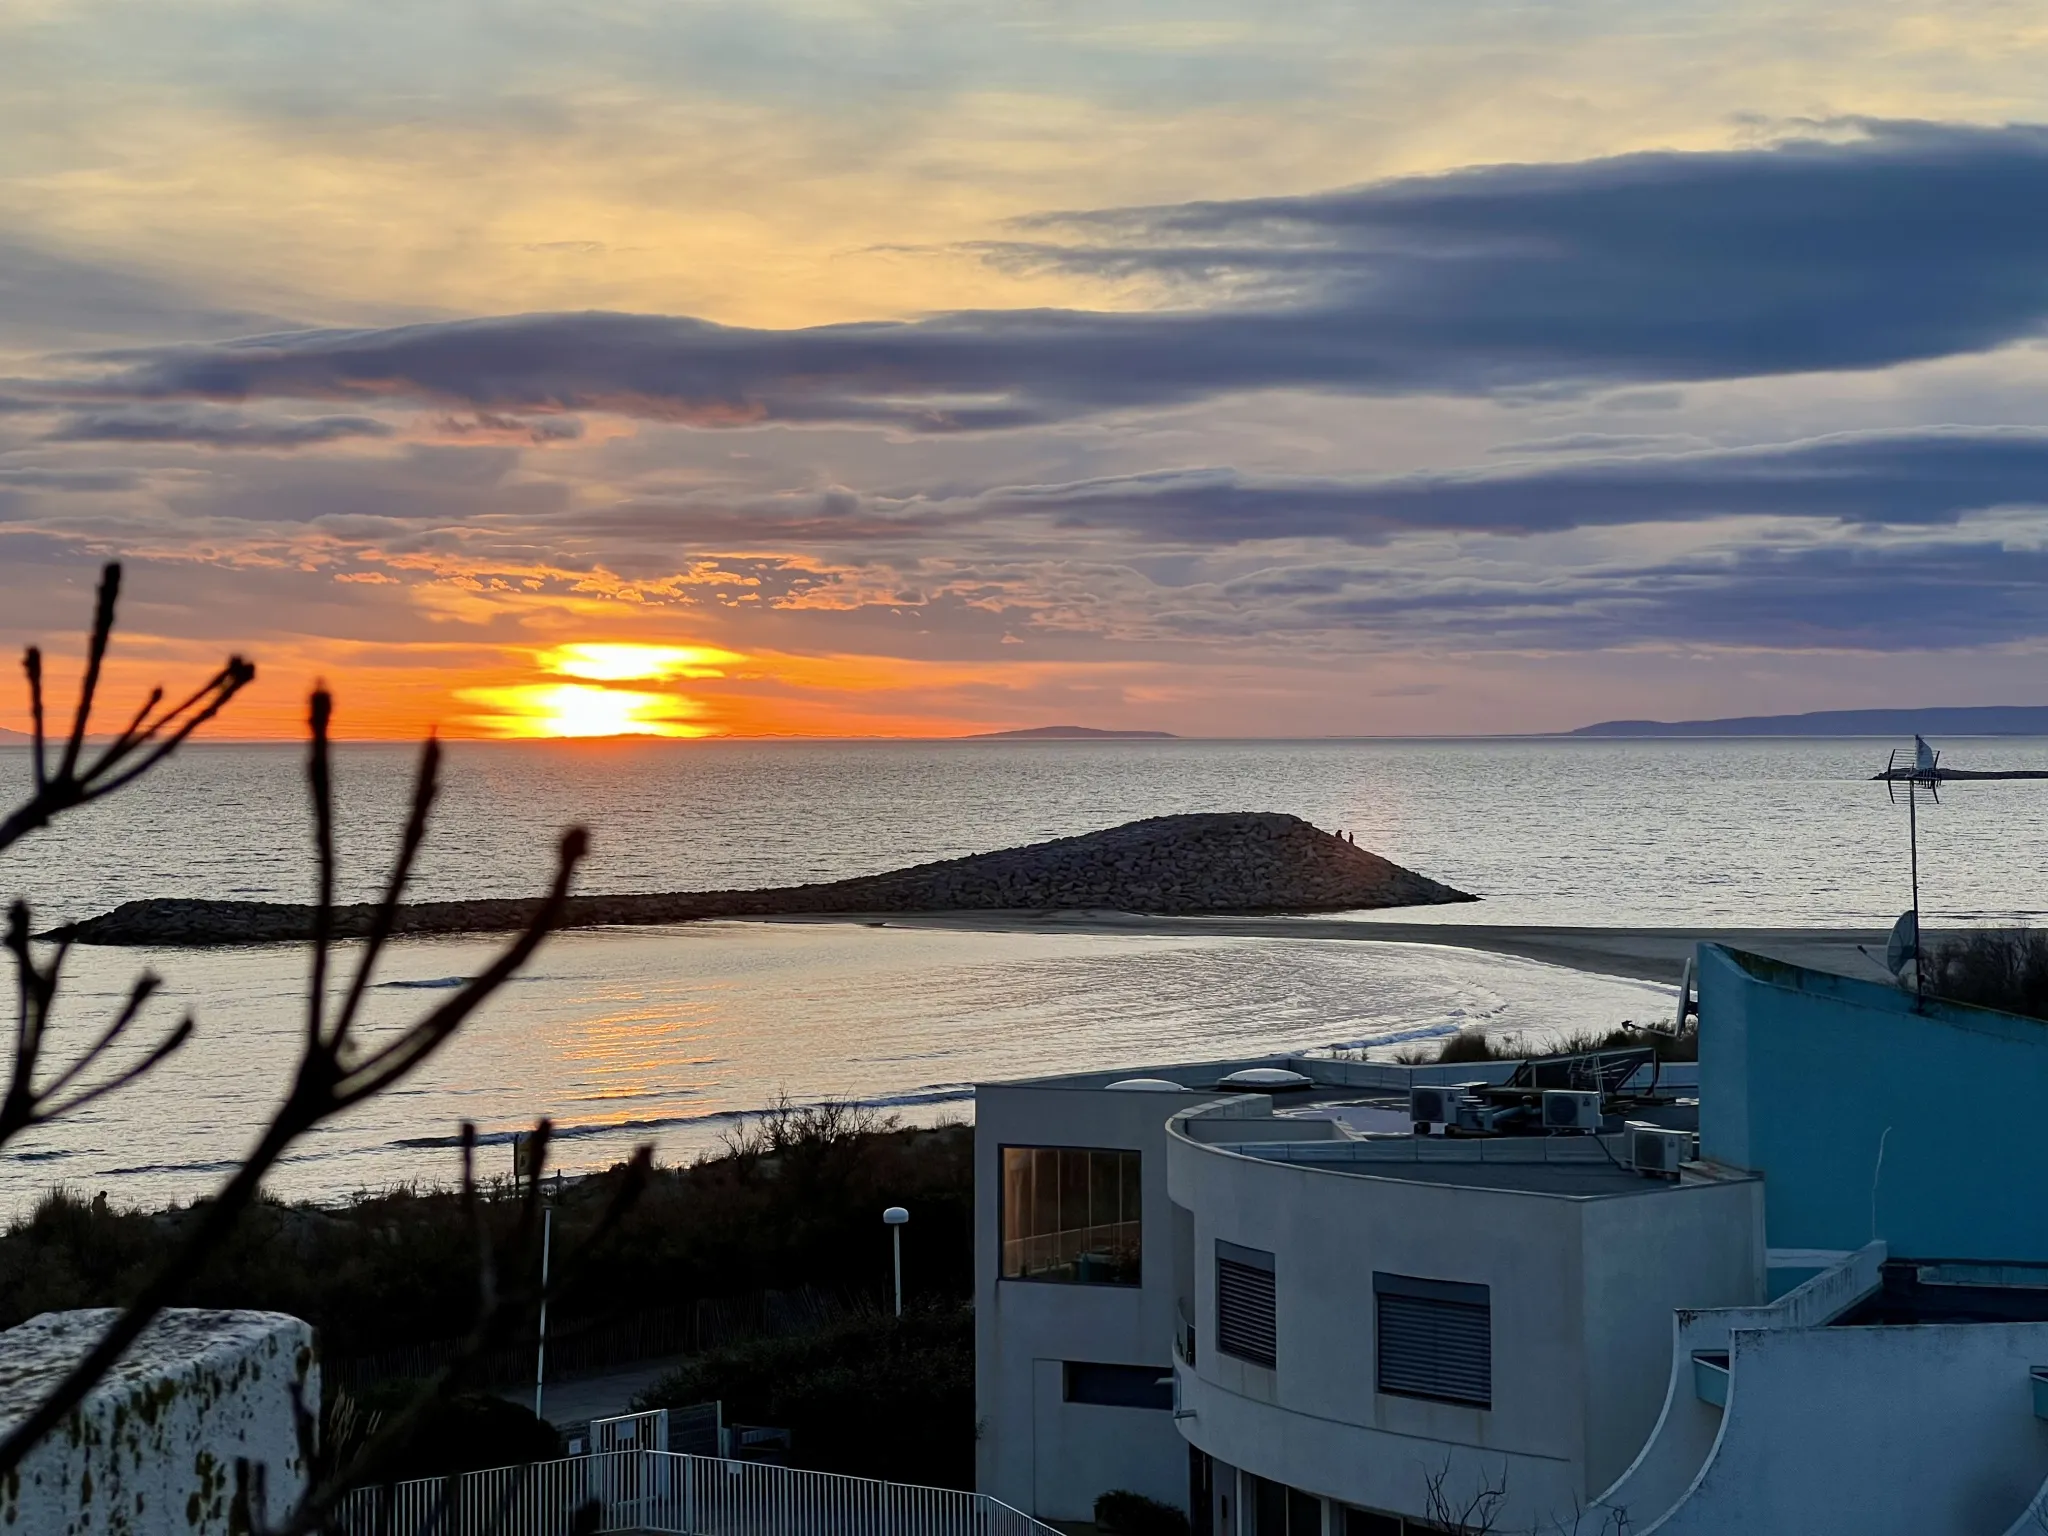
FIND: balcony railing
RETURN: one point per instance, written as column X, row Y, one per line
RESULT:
column 662, row 1491
column 1184, row 1336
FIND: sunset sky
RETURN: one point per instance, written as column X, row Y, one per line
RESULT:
column 850, row 367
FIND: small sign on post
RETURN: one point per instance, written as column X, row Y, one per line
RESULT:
column 524, row 1162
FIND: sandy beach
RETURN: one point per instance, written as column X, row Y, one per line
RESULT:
column 1642, row 954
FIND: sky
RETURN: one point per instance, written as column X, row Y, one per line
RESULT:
column 855, row 367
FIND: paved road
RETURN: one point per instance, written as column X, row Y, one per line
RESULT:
column 595, row 1397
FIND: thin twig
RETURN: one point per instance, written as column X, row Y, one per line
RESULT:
column 96, row 653
column 497, row 1320
column 322, row 1087
column 28, row 1104
column 425, row 790
column 153, row 733
column 32, row 664
column 320, row 784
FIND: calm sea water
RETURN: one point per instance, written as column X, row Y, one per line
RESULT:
column 669, row 1033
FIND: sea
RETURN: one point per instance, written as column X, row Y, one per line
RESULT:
column 677, row 1035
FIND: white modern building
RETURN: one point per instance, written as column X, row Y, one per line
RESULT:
column 1255, row 1291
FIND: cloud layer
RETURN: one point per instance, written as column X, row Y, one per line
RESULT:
column 1911, row 241
column 1875, row 478
column 1771, row 402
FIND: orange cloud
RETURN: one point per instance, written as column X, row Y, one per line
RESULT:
column 612, row 661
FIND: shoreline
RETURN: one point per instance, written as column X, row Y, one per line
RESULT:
column 1636, row 954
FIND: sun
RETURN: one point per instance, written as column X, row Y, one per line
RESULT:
column 580, row 710
column 593, row 701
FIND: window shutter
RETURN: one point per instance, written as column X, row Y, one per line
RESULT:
column 1244, row 1304
column 1435, row 1339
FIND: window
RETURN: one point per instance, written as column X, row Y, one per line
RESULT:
column 1120, row 1386
column 1244, row 1303
column 1278, row 1510
column 1071, row 1213
column 1365, row 1522
column 1435, row 1339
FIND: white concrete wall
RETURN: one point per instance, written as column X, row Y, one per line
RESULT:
column 1687, row 1427
column 167, row 1442
column 1036, row 1451
column 1912, row 1431
column 1644, row 1259
column 1579, row 1358
column 1080, row 1450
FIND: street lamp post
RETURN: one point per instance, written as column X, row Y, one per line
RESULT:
column 895, row 1217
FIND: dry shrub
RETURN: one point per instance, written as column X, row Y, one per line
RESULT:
column 2002, row 968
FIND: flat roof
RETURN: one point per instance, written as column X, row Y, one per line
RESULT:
column 1577, row 1166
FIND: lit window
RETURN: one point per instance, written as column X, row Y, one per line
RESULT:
column 1071, row 1214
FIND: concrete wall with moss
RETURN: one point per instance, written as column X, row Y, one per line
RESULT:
column 196, row 1432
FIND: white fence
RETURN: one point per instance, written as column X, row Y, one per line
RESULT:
column 661, row 1491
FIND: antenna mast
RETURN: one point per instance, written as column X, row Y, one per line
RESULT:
column 1923, row 770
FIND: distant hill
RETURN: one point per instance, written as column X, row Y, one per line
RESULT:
column 1071, row 733
column 1991, row 720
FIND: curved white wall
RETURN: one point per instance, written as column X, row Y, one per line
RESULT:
column 1582, row 1291
column 1897, row 1431
column 1688, row 1428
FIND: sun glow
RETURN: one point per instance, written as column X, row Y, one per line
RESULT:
column 580, row 710
column 622, row 662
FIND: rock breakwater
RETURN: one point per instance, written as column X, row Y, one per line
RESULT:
column 1195, row 865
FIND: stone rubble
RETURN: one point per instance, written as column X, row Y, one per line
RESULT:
column 1193, row 865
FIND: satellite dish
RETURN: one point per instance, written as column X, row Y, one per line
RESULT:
column 1902, row 949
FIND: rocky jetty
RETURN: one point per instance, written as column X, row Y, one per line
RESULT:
column 1199, row 865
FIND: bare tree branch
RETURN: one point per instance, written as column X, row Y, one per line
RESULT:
column 425, row 790
column 1475, row 1515
column 502, row 1311
column 319, row 781
column 32, row 664
column 329, row 1076
column 154, row 732
column 326, row 1081
column 27, row 1103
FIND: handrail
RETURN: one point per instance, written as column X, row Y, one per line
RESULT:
column 671, row 1492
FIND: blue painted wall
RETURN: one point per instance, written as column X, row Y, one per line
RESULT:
column 1803, row 1075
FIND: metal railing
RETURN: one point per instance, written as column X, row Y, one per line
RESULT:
column 664, row 1491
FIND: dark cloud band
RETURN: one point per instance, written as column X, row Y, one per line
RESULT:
column 203, row 428
column 1913, row 241
column 1924, row 477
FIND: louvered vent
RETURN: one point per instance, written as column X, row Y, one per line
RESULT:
column 1244, row 1303
column 1435, row 1339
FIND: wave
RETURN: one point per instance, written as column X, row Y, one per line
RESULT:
column 450, row 981
column 937, row 1093
column 227, row 1165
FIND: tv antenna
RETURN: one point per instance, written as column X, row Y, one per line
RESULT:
column 1919, row 770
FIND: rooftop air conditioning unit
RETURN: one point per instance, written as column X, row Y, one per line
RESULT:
column 1436, row 1103
column 1569, row 1109
column 1652, row 1150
